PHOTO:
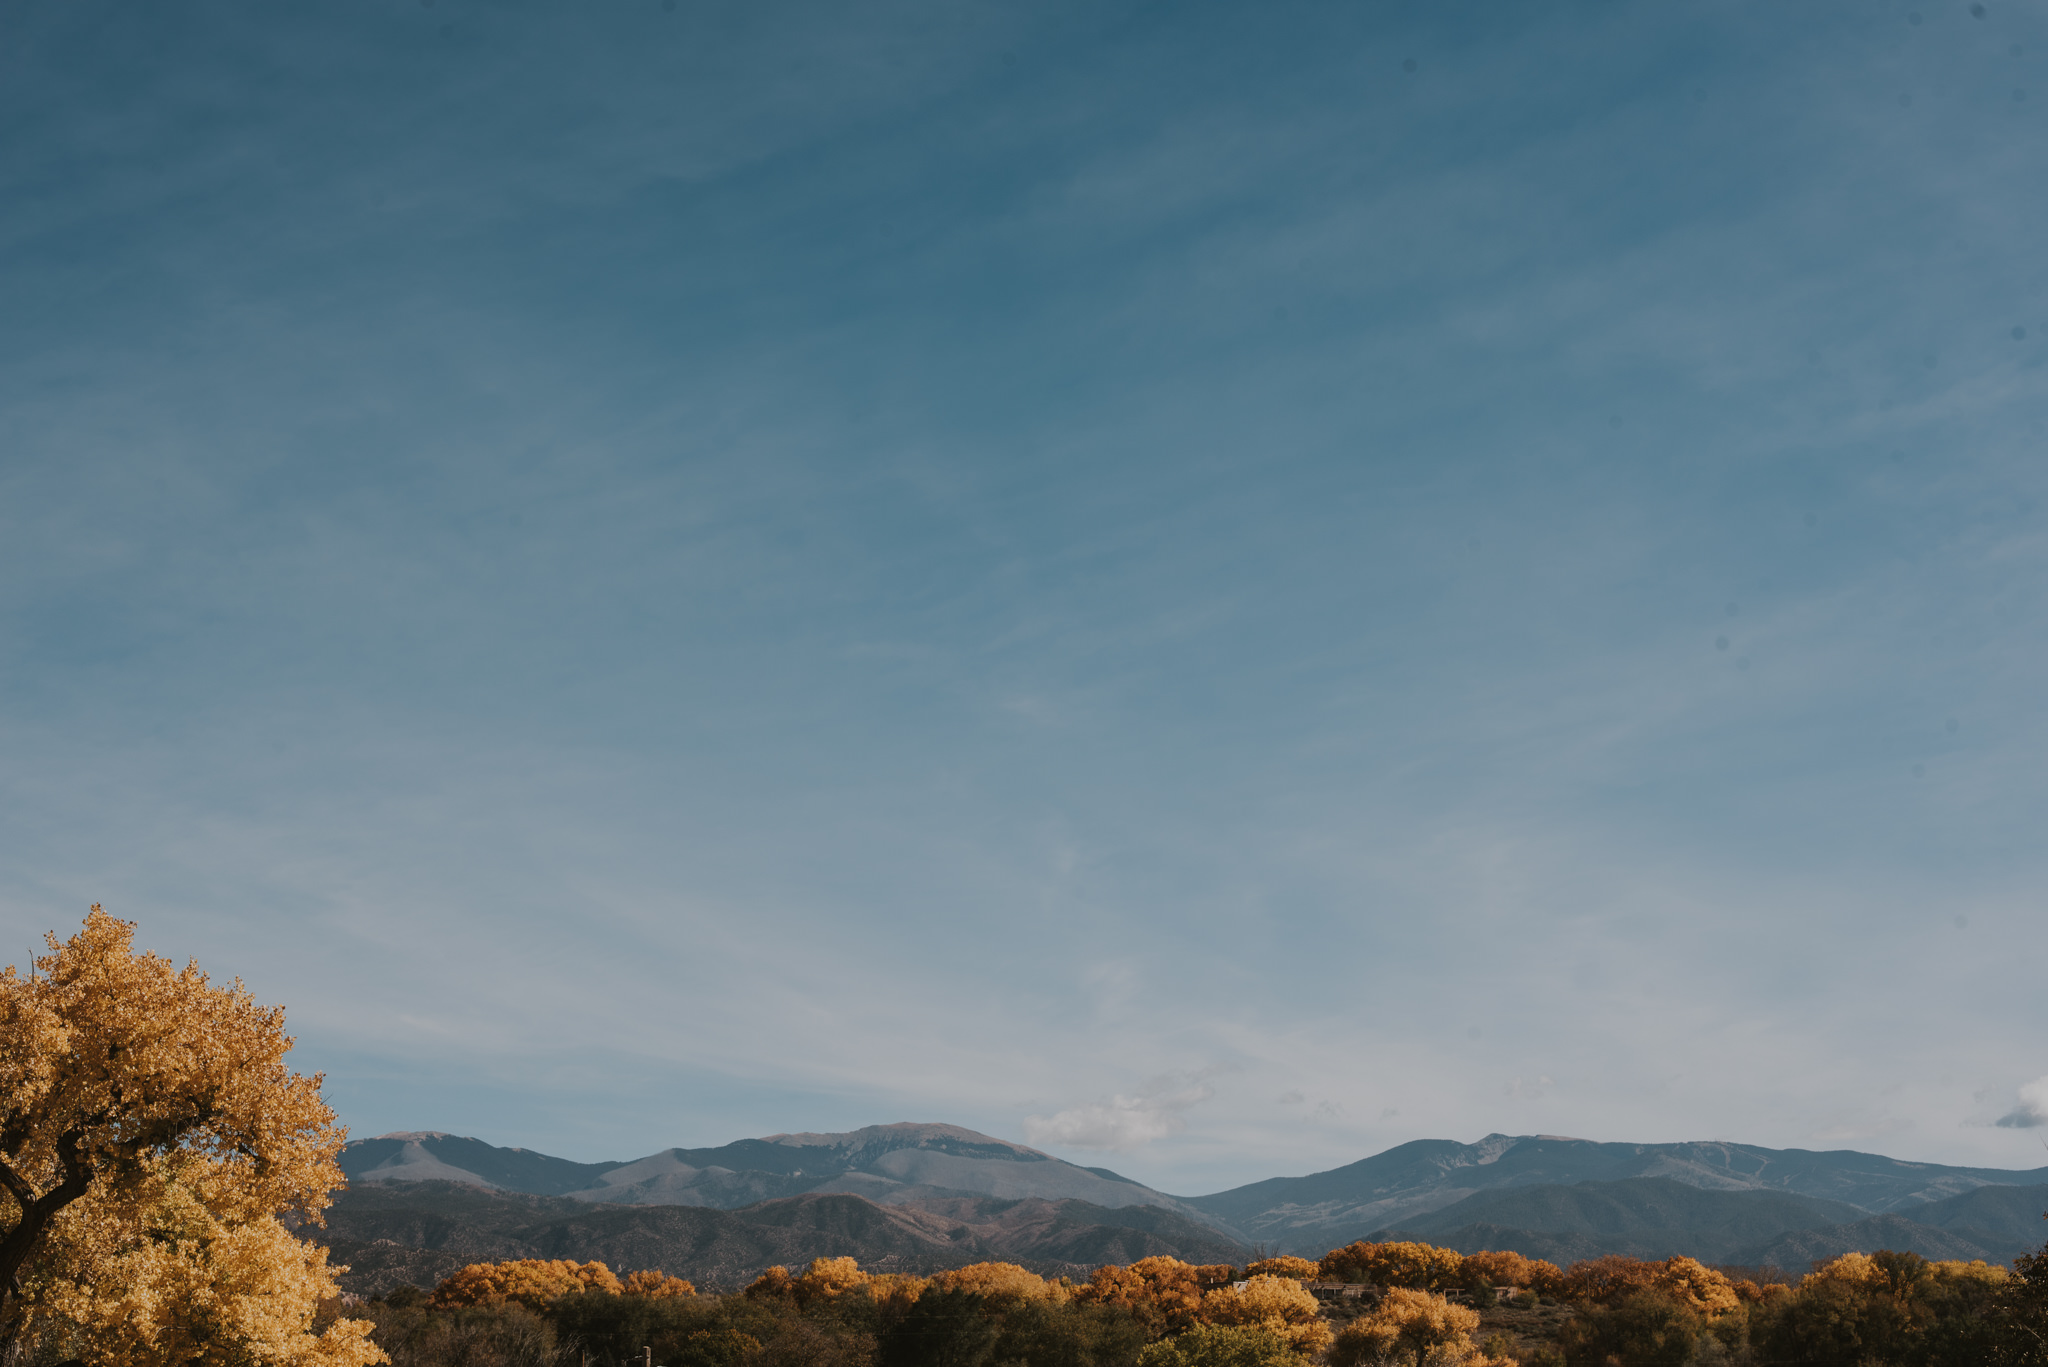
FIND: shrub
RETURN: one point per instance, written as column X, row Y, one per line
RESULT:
column 1641, row 1328
column 1298, row 1269
column 1221, row 1345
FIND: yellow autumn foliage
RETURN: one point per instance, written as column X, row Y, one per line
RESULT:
column 1501, row 1267
column 1603, row 1281
column 1286, row 1265
column 1408, row 1321
column 1861, row 1269
column 1004, row 1281
column 1165, row 1293
column 1853, row 1269
column 152, row 1142
column 827, row 1279
column 190, row 1288
column 1395, row 1264
column 1696, row 1286
column 1954, row 1270
column 895, row 1290
column 656, row 1285
column 1280, row 1305
column 531, row 1282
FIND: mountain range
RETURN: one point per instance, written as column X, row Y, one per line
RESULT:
column 929, row 1195
column 887, row 1164
column 418, row 1233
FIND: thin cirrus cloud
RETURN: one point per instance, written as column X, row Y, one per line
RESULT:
column 665, row 575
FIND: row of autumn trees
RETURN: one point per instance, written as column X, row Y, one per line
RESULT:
column 1887, row 1309
column 1158, row 1312
column 1878, row 1310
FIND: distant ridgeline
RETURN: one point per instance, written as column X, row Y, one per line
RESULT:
column 924, row 1197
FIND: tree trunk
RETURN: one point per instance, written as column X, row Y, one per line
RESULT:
column 36, row 1214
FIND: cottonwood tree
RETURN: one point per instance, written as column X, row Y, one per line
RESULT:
column 1279, row 1305
column 1408, row 1324
column 153, row 1145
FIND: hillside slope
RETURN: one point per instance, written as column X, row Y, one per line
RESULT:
column 391, row 1234
column 888, row 1164
column 1543, row 1195
column 1644, row 1217
column 1801, row 1249
column 1396, row 1188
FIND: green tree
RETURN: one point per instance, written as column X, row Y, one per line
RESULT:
column 944, row 1329
column 1645, row 1329
column 1222, row 1345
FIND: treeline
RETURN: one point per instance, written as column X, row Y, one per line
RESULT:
column 1365, row 1305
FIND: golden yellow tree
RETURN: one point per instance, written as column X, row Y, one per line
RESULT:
column 1279, row 1305
column 827, row 1279
column 998, row 1281
column 657, row 1285
column 181, row 1285
column 1164, row 1293
column 151, row 1137
column 1419, row 1322
column 1603, row 1281
column 1499, row 1267
column 1396, row 1264
column 1284, row 1265
column 531, row 1282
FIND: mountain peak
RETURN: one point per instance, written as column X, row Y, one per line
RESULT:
column 904, row 1163
column 902, row 1134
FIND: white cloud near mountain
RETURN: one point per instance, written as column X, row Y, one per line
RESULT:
column 2032, row 1111
column 1154, row 1111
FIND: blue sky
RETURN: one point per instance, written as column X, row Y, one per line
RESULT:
column 1211, row 587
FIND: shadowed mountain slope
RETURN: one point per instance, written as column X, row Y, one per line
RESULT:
column 391, row 1234
column 1644, row 1216
column 1396, row 1188
column 1801, row 1249
column 2008, row 1220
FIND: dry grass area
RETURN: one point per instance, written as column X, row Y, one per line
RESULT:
column 1527, row 1327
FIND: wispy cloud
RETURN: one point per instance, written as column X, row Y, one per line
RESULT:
column 1124, row 1121
column 767, row 570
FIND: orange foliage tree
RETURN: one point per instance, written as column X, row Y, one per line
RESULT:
column 773, row 1285
column 531, row 1282
column 151, row 1137
column 1165, row 1294
column 1002, row 1281
column 656, row 1285
column 827, row 1279
column 1504, row 1268
column 1603, row 1281
column 1424, row 1266
column 1406, row 1321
